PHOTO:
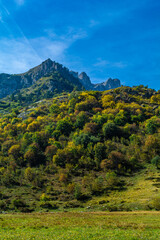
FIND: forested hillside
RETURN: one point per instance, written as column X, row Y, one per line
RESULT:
column 74, row 148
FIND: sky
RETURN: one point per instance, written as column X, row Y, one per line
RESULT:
column 117, row 39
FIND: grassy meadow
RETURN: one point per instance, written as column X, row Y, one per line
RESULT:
column 81, row 225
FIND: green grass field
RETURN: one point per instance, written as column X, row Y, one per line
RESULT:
column 79, row 225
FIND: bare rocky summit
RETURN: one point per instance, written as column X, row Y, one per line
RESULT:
column 86, row 82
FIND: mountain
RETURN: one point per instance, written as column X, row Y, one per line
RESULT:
column 86, row 82
column 13, row 82
column 57, row 78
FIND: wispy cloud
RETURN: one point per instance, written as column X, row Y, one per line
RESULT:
column 16, row 56
column 101, row 63
column 50, row 48
column 54, row 45
column 119, row 65
column 104, row 63
column 19, row 54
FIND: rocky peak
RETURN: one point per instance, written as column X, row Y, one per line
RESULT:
column 113, row 83
column 85, row 80
column 47, row 64
column 108, row 84
column 45, row 68
column 74, row 74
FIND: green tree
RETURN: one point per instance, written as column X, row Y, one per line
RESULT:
column 100, row 153
column 34, row 156
column 54, row 108
column 151, row 126
column 110, row 130
column 65, row 126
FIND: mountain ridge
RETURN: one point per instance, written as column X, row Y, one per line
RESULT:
column 9, row 83
column 86, row 82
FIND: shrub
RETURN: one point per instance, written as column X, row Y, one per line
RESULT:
column 44, row 197
column 18, row 204
column 111, row 179
column 6, row 146
column 15, row 151
column 50, row 151
column 63, row 177
column 108, row 101
column 116, row 161
column 64, row 126
column 156, row 161
column 3, row 205
column 81, row 119
column 91, row 128
column 49, row 205
column 97, row 185
column 156, row 203
column 73, row 204
column 84, row 139
column 54, row 108
column 34, row 126
column 151, row 126
column 110, row 130
column 29, row 174
column 34, row 156
column 77, row 191
column 70, row 187
column 100, row 153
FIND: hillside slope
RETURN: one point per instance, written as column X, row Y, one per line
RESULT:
column 90, row 148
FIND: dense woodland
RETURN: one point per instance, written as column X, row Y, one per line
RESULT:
column 66, row 150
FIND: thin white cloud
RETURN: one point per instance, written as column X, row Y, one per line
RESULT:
column 49, row 48
column 119, row 65
column 19, row 55
column 101, row 63
column 16, row 56
column 104, row 63
column 55, row 46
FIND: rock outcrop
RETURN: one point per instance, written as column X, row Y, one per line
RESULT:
column 86, row 82
column 109, row 84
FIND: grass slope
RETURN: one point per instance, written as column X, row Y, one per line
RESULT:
column 142, row 191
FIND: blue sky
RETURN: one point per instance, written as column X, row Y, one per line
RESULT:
column 118, row 38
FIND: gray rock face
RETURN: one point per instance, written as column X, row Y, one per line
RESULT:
column 85, row 80
column 109, row 84
column 9, row 83
column 74, row 74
